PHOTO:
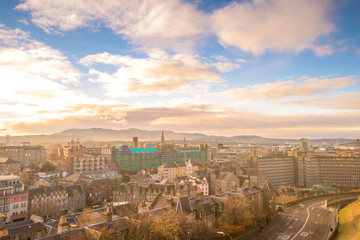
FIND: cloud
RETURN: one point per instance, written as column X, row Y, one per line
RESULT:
column 151, row 23
column 35, row 77
column 159, row 74
column 24, row 21
column 223, row 64
column 254, row 26
column 292, row 88
column 21, row 55
column 274, row 25
column 349, row 101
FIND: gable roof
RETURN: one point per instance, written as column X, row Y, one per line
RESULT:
column 267, row 186
column 184, row 205
column 71, row 189
column 36, row 192
column 170, row 165
column 181, row 164
column 24, row 227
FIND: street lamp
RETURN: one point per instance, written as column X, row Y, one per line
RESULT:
column 224, row 234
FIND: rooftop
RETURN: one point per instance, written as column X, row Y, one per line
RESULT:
column 8, row 177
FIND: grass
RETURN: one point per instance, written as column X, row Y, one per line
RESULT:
column 349, row 219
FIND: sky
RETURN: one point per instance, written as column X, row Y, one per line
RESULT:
column 272, row 68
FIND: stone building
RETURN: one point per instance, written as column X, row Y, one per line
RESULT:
column 97, row 190
column 24, row 154
column 52, row 202
column 226, row 181
column 9, row 165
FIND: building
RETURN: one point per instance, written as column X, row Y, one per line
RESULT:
column 76, row 158
column 97, row 191
column 333, row 171
column 135, row 143
column 13, row 198
column 224, row 181
column 169, row 171
column 279, row 170
column 172, row 170
column 28, row 229
column 52, row 202
column 88, row 164
column 304, row 144
column 129, row 158
column 201, row 184
column 9, row 165
column 25, row 154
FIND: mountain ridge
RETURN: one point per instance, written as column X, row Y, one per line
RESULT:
column 104, row 134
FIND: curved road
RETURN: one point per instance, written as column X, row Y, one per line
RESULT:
column 306, row 220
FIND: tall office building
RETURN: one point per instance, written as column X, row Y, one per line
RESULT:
column 277, row 169
column 342, row 172
column 304, row 144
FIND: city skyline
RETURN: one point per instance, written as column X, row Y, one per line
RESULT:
column 267, row 68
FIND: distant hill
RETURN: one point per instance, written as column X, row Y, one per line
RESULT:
column 100, row 134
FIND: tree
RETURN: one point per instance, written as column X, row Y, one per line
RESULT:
column 47, row 167
column 266, row 204
column 126, row 178
column 238, row 211
column 168, row 225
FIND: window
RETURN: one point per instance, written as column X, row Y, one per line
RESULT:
column 4, row 205
column 16, row 206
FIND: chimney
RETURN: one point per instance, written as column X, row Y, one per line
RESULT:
column 233, row 186
column 2, row 221
column 108, row 214
column 63, row 225
column 218, row 190
column 199, row 195
column 36, row 218
column 73, row 227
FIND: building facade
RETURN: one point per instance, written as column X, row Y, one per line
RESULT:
column 24, row 154
column 128, row 158
column 52, row 202
column 13, row 198
column 279, row 170
column 333, row 171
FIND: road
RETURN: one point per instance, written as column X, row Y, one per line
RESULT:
column 307, row 220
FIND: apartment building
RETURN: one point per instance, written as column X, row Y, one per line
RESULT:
column 13, row 198
column 24, row 154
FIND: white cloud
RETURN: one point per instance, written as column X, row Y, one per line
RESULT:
column 276, row 25
column 24, row 21
column 151, row 23
column 254, row 26
column 35, row 78
column 159, row 74
column 301, row 88
column 22, row 55
column 225, row 66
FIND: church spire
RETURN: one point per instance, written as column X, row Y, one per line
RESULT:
column 162, row 137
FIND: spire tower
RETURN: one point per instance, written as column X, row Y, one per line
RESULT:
column 162, row 137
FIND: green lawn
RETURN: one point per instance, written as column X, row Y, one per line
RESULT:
column 350, row 222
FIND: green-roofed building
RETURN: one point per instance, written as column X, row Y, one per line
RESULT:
column 144, row 158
